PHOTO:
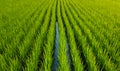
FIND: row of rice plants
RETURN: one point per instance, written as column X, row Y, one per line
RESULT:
column 90, row 38
column 76, row 61
column 49, row 44
column 33, row 61
column 103, row 41
column 90, row 58
column 62, row 56
column 26, row 47
column 11, row 51
column 13, row 34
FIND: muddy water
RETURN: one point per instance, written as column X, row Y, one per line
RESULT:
column 56, row 62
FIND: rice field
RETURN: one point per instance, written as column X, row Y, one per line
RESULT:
column 59, row 35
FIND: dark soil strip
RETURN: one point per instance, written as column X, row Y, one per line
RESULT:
column 68, row 55
column 82, row 56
